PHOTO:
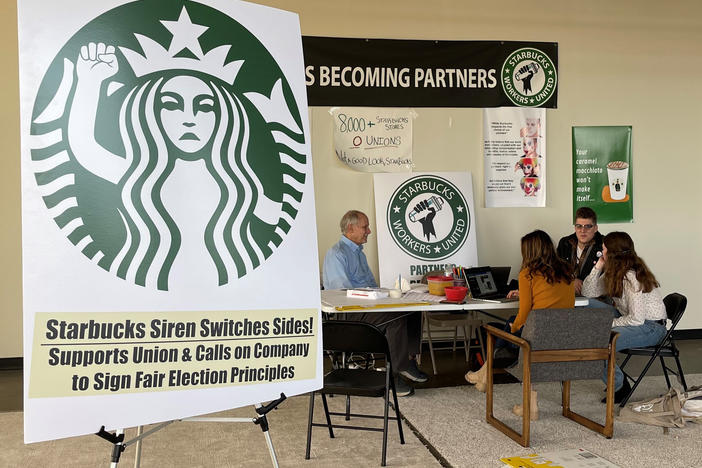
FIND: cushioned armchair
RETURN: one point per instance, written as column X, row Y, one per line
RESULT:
column 558, row 345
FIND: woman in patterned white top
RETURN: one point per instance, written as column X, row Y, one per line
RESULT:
column 640, row 313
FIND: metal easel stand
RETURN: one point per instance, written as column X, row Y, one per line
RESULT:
column 119, row 445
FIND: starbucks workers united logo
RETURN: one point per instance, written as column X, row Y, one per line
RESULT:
column 169, row 145
column 529, row 77
column 428, row 218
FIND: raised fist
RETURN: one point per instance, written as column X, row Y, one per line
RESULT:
column 427, row 221
column 96, row 62
column 532, row 68
column 423, row 205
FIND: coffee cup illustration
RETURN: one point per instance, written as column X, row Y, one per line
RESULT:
column 617, row 173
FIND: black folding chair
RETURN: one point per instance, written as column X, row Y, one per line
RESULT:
column 675, row 307
column 357, row 337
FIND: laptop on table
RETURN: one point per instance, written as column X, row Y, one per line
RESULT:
column 483, row 285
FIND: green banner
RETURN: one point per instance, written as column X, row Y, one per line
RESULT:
column 602, row 175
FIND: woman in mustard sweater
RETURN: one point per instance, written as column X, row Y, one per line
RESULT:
column 545, row 282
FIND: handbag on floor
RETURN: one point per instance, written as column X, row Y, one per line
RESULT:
column 672, row 409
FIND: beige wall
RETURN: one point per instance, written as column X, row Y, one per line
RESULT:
column 621, row 63
column 10, row 232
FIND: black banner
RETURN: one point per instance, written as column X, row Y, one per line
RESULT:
column 412, row 73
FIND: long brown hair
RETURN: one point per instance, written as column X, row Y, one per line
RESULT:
column 622, row 258
column 539, row 256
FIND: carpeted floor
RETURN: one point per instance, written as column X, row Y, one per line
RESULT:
column 198, row 444
column 453, row 422
column 451, row 419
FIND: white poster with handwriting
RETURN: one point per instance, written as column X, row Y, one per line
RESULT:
column 514, row 157
column 166, row 191
column 373, row 139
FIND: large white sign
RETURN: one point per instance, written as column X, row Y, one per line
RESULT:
column 424, row 222
column 170, row 262
column 514, row 156
column 370, row 139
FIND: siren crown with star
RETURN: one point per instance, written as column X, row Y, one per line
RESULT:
column 185, row 36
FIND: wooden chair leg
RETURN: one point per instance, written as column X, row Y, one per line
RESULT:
column 526, row 401
column 489, row 415
column 609, row 415
column 607, row 429
column 523, row 438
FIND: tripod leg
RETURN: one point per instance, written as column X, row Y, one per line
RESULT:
column 137, row 451
column 271, row 449
column 263, row 422
column 116, row 449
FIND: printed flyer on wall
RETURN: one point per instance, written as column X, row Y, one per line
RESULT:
column 514, row 150
column 602, row 175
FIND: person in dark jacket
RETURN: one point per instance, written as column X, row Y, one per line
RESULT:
column 581, row 248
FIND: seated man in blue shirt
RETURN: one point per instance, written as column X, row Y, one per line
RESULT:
column 346, row 266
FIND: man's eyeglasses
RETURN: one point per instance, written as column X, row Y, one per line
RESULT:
column 585, row 227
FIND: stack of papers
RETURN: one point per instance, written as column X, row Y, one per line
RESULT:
column 418, row 296
column 367, row 293
column 575, row 458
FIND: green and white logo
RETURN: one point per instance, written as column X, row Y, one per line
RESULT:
column 428, row 218
column 167, row 137
column 529, row 77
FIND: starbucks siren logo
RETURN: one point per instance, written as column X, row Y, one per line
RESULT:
column 169, row 145
column 529, row 77
column 428, row 218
